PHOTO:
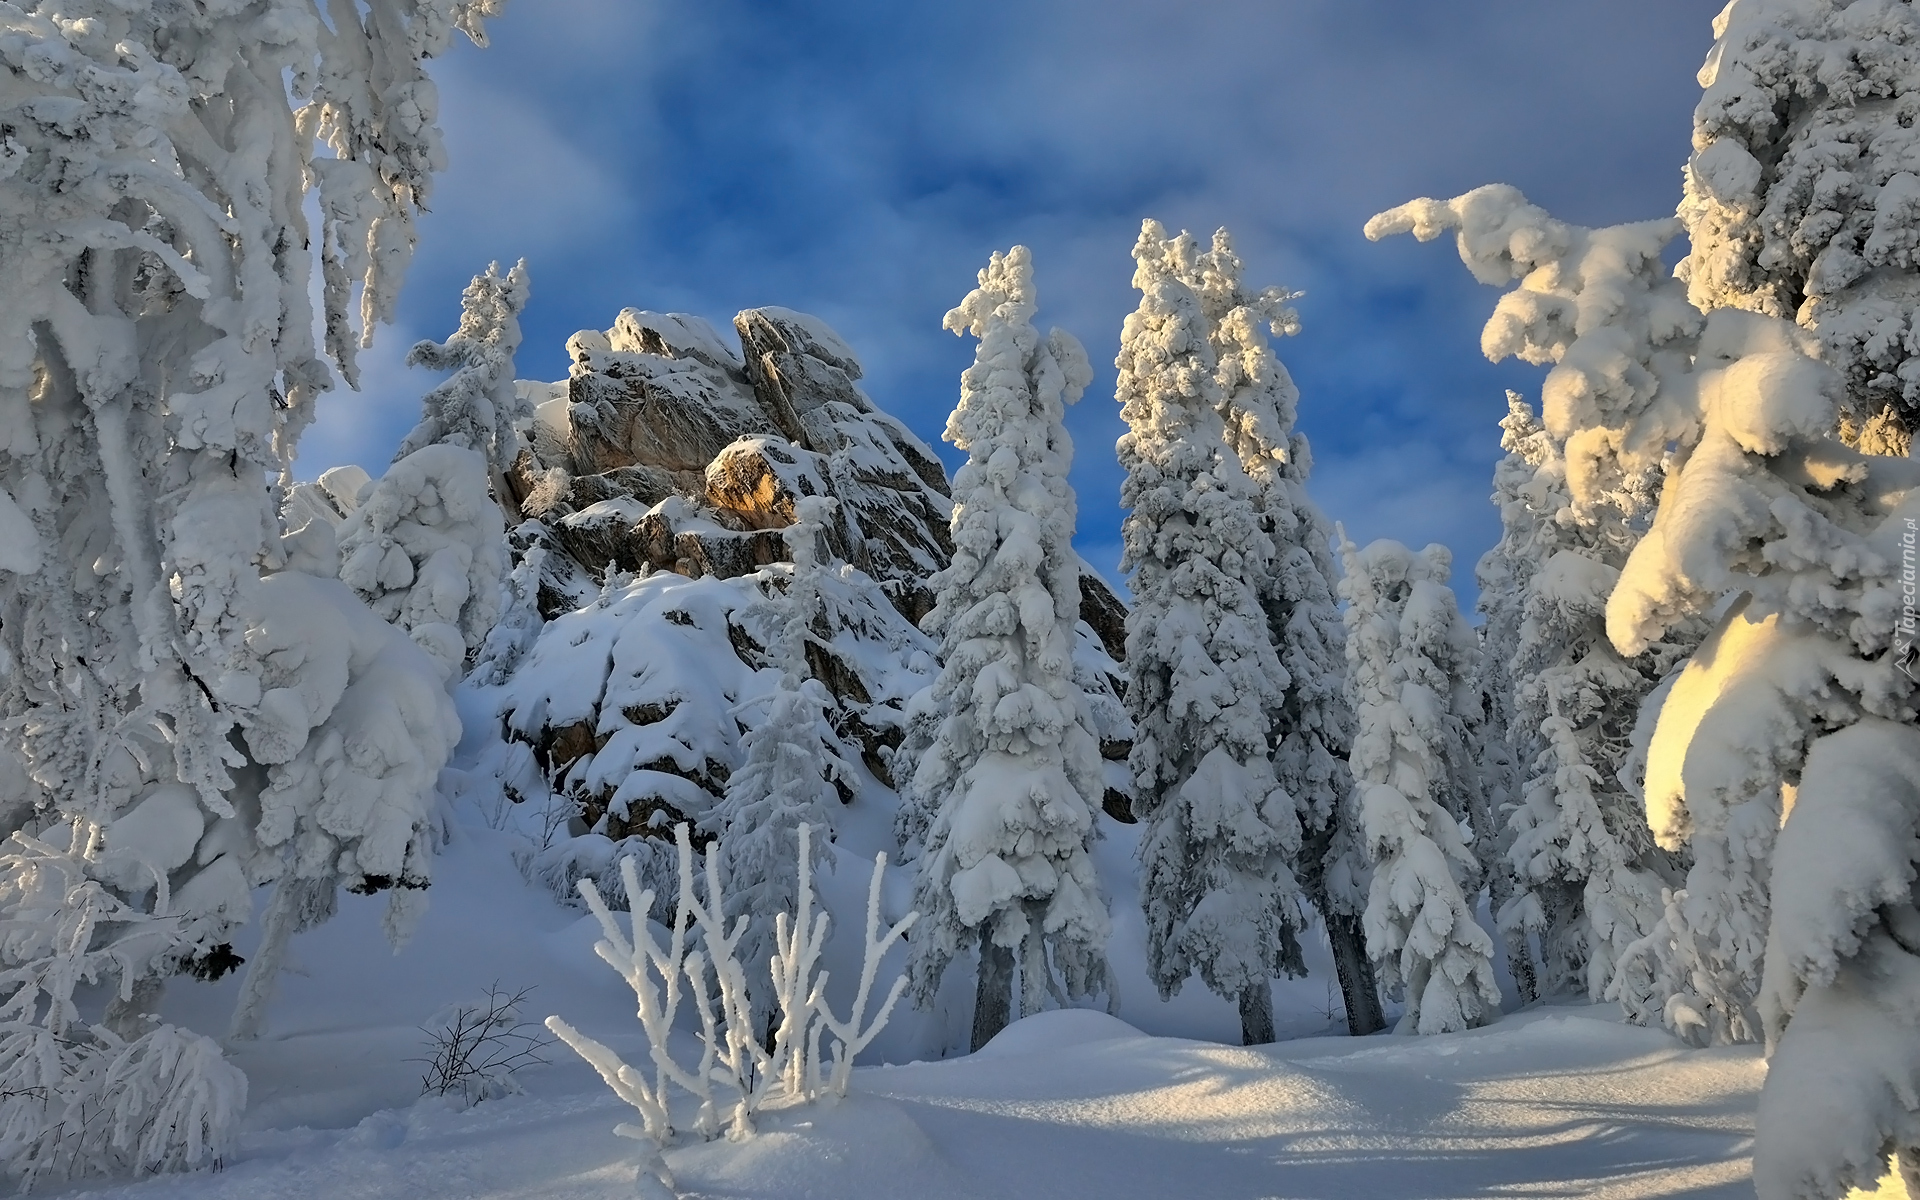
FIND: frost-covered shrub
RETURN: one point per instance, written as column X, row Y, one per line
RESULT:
column 474, row 1050
column 1012, row 779
column 735, row 1072
column 1409, row 669
column 1204, row 683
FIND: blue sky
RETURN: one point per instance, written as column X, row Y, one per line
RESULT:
column 860, row 159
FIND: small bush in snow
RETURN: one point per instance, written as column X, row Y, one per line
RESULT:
column 750, row 1077
column 476, row 1048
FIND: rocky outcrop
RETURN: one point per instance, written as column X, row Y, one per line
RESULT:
column 1103, row 612
column 796, row 365
column 656, row 390
column 660, row 410
column 893, row 491
column 656, row 487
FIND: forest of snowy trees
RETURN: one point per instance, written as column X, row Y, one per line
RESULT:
column 707, row 589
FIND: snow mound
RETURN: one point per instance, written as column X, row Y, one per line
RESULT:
column 1055, row 1030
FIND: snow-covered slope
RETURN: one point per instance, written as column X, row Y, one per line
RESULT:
column 1559, row 1102
column 1067, row 1104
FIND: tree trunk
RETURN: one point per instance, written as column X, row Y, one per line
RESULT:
column 1520, row 966
column 1256, row 1014
column 1357, row 986
column 128, row 1016
column 296, row 904
column 993, row 998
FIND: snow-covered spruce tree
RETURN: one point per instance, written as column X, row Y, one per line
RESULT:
column 182, row 710
column 82, row 1097
column 1013, row 779
column 1792, row 707
column 792, row 761
column 1803, row 192
column 1409, row 673
column 476, row 407
column 1205, row 686
column 425, row 546
column 1312, row 729
column 1598, row 305
column 1527, row 501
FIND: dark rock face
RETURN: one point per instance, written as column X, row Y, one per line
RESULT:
column 1104, row 613
column 796, row 364
column 893, row 490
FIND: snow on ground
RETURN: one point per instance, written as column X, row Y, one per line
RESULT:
column 1559, row 1102
column 1547, row 1103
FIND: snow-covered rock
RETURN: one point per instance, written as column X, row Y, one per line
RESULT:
column 676, row 460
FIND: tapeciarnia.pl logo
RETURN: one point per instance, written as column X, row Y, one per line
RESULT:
column 1904, row 655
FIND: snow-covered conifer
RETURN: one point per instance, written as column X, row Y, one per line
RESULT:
column 1793, row 709
column 1409, row 670
column 157, row 364
column 1803, row 192
column 81, row 1098
column 1599, row 306
column 1771, row 514
column 1508, row 748
column 792, row 761
column 1312, row 728
column 426, row 549
column 518, row 625
column 1013, row 779
column 476, row 407
column 1205, row 686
